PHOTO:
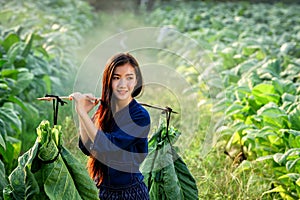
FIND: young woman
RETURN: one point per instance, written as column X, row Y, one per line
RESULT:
column 115, row 139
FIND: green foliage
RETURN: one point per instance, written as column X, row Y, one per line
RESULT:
column 49, row 171
column 38, row 41
column 166, row 174
column 255, row 50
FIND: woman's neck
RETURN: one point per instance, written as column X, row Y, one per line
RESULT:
column 119, row 105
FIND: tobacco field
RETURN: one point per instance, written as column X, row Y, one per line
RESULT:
column 249, row 91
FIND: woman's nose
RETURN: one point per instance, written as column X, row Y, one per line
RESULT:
column 121, row 82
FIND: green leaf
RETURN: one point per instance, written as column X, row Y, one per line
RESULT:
column 242, row 92
column 4, row 88
column 294, row 117
column 14, row 53
column 291, row 164
column 283, row 86
column 280, row 189
column 48, row 151
column 244, row 166
column 287, row 47
column 21, row 180
column 58, row 182
column 43, row 131
column 10, row 40
column 15, row 146
column 233, row 109
column 269, row 69
column 3, row 181
column 265, row 93
column 294, row 140
column 48, row 84
column 16, row 179
column 18, row 101
column 288, row 97
column 24, row 79
column 31, row 185
column 11, row 118
column 11, row 73
column 78, row 172
column 2, row 142
column 249, row 50
column 62, row 178
column 298, row 182
column 28, row 46
column 273, row 116
column 2, row 62
column 245, row 67
column 281, row 158
column 185, row 178
column 290, row 176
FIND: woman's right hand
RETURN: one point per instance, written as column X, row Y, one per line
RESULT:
column 84, row 102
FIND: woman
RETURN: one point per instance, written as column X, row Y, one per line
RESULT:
column 115, row 139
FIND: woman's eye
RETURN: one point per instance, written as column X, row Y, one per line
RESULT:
column 115, row 78
column 130, row 78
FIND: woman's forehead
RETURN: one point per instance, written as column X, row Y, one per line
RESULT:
column 124, row 69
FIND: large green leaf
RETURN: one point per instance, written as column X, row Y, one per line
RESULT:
column 166, row 174
column 291, row 72
column 80, row 176
column 281, row 158
column 265, row 93
column 287, row 101
column 42, row 173
column 293, row 164
column 28, row 46
column 294, row 117
column 242, row 93
column 10, row 40
column 273, row 116
column 284, row 86
column 11, row 118
column 269, row 69
column 21, row 180
column 58, row 182
column 283, row 192
column 186, row 180
column 23, row 80
column 235, row 111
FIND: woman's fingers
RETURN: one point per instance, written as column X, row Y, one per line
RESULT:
column 75, row 95
column 88, row 96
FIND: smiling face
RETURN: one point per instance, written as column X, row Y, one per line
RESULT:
column 123, row 83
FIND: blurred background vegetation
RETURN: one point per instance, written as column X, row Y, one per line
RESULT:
column 253, row 45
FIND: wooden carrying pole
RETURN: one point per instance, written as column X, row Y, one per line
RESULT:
column 60, row 100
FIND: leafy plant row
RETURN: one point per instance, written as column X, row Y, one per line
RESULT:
column 37, row 50
column 254, row 51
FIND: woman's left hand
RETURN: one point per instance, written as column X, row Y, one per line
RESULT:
column 84, row 102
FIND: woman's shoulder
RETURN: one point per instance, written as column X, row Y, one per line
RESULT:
column 138, row 112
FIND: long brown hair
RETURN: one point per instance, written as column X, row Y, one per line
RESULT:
column 103, row 117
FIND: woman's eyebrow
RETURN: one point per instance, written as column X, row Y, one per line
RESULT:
column 129, row 74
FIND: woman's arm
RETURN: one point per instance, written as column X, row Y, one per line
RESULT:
column 82, row 132
column 87, row 129
column 84, row 103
